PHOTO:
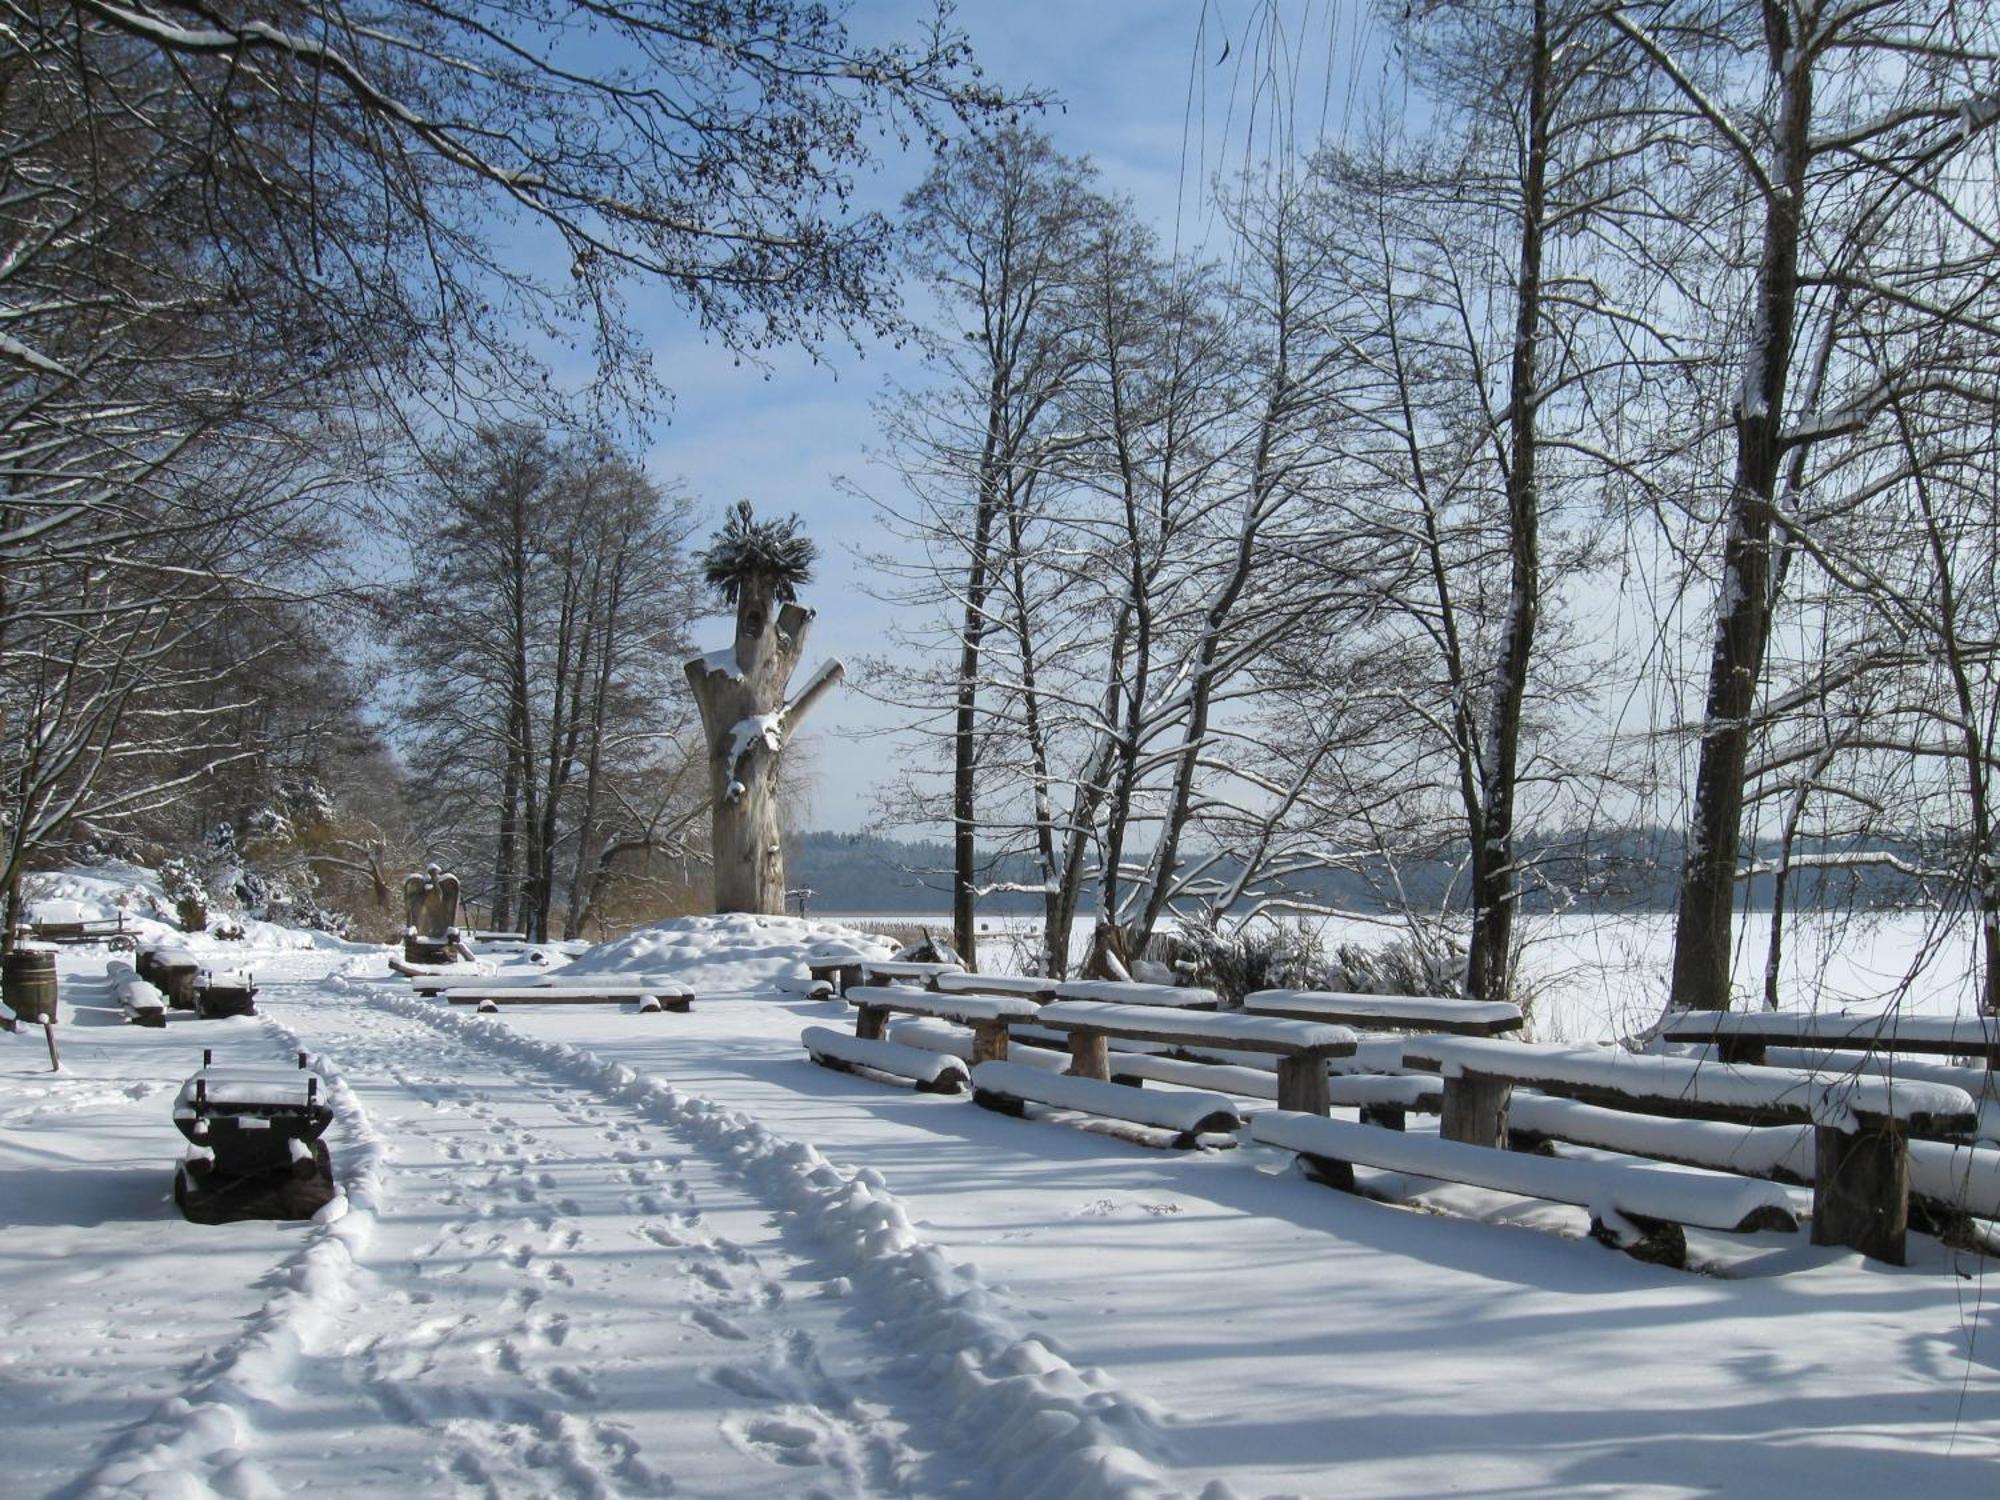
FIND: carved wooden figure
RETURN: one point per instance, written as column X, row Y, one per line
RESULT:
column 431, row 900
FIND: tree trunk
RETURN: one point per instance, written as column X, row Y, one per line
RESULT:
column 1743, row 613
column 1496, row 884
column 745, row 720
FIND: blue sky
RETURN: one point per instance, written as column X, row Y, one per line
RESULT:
column 1145, row 91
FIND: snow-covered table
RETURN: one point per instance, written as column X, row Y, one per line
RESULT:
column 1862, row 1124
column 1388, row 1012
column 1743, row 1036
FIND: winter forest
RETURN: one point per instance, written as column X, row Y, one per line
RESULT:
column 1001, row 750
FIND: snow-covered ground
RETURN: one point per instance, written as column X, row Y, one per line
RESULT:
column 592, row 1252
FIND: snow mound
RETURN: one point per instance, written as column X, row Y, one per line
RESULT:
column 99, row 893
column 732, row 954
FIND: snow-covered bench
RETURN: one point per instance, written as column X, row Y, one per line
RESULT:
column 986, row 1015
column 1303, row 1048
column 1126, row 992
column 225, row 992
column 144, row 1005
column 1862, row 1124
column 1744, row 1036
column 906, row 970
column 651, row 995
column 1009, row 1087
column 1949, row 1183
column 1388, row 1012
column 1022, row 986
column 1382, row 1098
column 932, row 1072
column 1639, row 1207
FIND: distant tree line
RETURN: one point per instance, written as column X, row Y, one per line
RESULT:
column 1603, row 433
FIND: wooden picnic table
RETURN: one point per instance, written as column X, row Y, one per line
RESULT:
column 1388, row 1012
column 1743, row 1036
column 1303, row 1047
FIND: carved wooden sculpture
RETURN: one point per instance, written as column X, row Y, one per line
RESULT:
column 431, row 900
column 746, row 717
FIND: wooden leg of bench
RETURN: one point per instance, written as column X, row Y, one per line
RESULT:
column 846, row 977
column 1475, row 1109
column 1383, row 1116
column 678, row 1003
column 1089, row 1055
column 1302, row 1084
column 1861, row 1190
column 869, row 1023
column 1736, row 1050
column 1335, row 1174
column 989, row 1042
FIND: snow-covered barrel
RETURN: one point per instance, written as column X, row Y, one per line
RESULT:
column 28, row 981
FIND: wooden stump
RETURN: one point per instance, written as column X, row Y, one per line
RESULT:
column 1090, row 1055
column 870, row 1022
column 1861, row 1189
column 1302, row 1084
column 1475, row 1109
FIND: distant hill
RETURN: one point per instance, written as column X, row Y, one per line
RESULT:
column 1624, row 870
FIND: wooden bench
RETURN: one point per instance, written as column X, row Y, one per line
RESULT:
column 1638, row 1207
column 986, row 1015
column 1950, row 1184
column 1124, row 992
column 1388, row 1012
column 904, row 970
column 928, row 1035
column 1303, row 1048
column 1009, row 1087
column 1744, row 1036
column 141, row 1001
column 931, row 1072
column 1382, row 1099
column 650, row 996
column 1862, row 1125
column 1022, row 986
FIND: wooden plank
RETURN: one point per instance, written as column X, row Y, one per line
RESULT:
column 1388, row 1012
column 1181, row 1028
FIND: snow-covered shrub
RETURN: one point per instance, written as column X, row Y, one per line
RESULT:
column 1277, row 956
column 1429, row 964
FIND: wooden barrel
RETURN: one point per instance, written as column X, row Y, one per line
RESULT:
column 28, row 981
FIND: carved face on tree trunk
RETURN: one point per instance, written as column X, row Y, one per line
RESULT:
column 756, row 641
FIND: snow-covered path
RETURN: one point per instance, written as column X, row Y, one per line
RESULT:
column 557, row 1296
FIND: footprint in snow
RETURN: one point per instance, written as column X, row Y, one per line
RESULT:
column 715, row 1323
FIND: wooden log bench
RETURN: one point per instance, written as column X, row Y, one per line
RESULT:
column 1303, row 1048
column 932, row 1072
column 1126, row 992
column 1745, row 1036
column 1009, row 1087
column 140, row 999
column 1638, row 1207
column 1950, row 1184
column 1862, row 1125
column 986, row 1015
column 1382, row 1099
column 928, row 1035
column 1022, row 986
column 649, row 996
column 1388, row 1012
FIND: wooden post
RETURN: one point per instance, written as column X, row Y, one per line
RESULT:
column 869, row 1023
column 1090, row 1055
column 1302, row 1083
column 1475, row 1109
column 1861, row 1189
column 989, row 1042
column 49, row 1031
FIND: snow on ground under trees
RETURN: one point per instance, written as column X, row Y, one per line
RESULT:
column 593, row 1252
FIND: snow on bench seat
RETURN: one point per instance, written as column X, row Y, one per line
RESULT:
column 1625, row 1199
column 667, row 997
column 962, row 1009
column 1008, row 1086
column 931, row 1072
column 1123, row 992
column 1404, row 1012
column 1024, row 985
column 1156, row 1024
column 903, row 968
column 1375, row 1094
column 1945, row 1178
column 955, row 1041
column 1681, row 1085
column 1744, row 1033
